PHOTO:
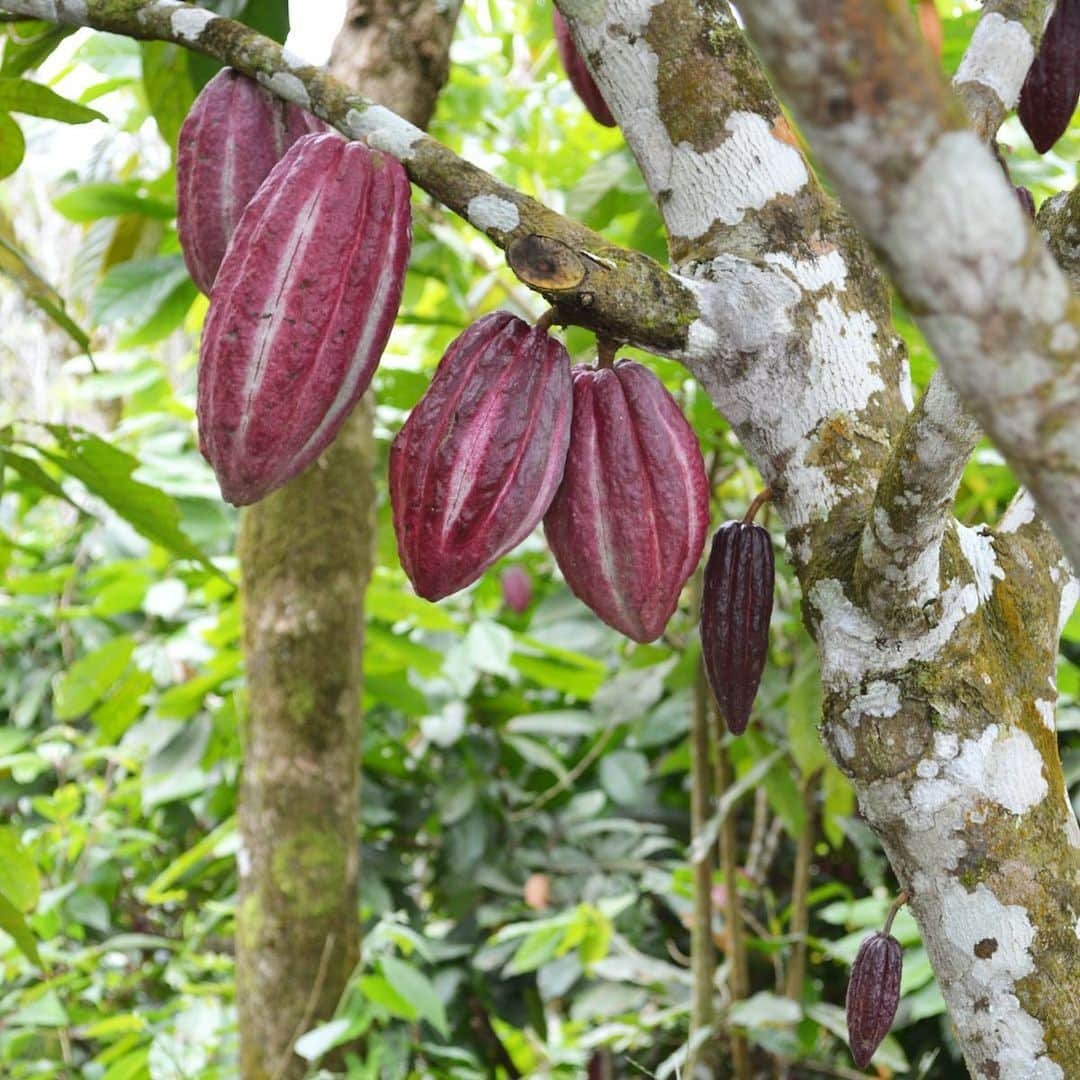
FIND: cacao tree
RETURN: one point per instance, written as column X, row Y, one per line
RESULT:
column 937, row 642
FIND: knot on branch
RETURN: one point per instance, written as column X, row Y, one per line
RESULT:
column 545, row 263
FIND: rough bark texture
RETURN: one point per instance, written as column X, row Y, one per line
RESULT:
column 306, row 553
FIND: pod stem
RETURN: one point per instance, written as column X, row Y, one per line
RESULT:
column 547, row 320
column 606, row 348
column 897, row 904
column 762, row 498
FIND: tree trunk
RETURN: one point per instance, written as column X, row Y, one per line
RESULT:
column 306, row 554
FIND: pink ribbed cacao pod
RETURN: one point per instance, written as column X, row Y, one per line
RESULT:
column 476, row 464
column 1052, row 87
column 578, row 73
column 736, row 604
column 629, row 521
column 300, row 311
column 517, row 588
column 235, row 133
column 873, row 995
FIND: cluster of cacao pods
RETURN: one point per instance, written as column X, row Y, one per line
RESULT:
column 301, row 238
column 508, row 435
column 873, row 992
column 1052, row 87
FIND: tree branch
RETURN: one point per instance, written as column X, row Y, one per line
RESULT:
column 592, row 283
column 992, row 302
column 1059, row 221
column 997, row 59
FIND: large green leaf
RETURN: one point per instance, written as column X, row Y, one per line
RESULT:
column 87, row 681
column 19, row 880
column 168, row 86
column 418, row 989
column 33, row 99
column 12, row 145
column 88, row 202
column 106, row 472
column 14, row 925
column 29, row 43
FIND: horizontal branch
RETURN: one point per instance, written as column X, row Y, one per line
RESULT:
column 618, row 292
column 992, row 302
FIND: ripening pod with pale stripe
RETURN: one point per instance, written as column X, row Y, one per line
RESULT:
column 300, row 311
column 736, row 605
column 235, row 133
column 579, row 75
column 873, row 994
column 475, row 466
column 1052, row 87
column 628, row 522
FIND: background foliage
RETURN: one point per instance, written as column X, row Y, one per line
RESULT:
column 525, row 837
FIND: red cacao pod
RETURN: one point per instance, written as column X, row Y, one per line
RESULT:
column 300, row 311
column 475, row 466
column 235, row 133
column 578, row 73
column 1052, row 87
column 873, row 995
column 628, row 522
column 517, row 588
column 736, row 604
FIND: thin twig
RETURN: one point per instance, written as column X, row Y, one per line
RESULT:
column 309, row 1007
column 561, row 785
column 799, row 922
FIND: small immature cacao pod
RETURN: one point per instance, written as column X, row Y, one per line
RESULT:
column 736, row 604
column 578, row 73
column 517, row 588
column 1027, row 201
column 475, row 466
column 873, row 995
column 300, row 311
column 1052, row 87
column 235, row 133
column 628, row 523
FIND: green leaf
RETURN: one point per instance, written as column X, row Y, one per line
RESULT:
column 29, row 43
column 33, row 99
column 12, row 145
column 34, row 474
column 623, row 774
column 106, row 472
column 92, row 201
column 377, row 990
column 87, row 681
column 19, row 880
column 14, row 925
column 418, row 989
column 137, row 288
column 168, row 86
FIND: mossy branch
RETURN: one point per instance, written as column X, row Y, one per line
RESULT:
column 622, row 293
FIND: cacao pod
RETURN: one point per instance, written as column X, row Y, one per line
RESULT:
column 517, row 589
column 300, row 311
column 578, row 73
column 235, row 133
column 1027, row 201
column 736, row 604
column 628, row 522
column 1052, row 87
column 475, row 466
column 873, row 995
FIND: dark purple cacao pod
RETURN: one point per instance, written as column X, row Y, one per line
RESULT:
column 476, row 465
column 873, row 995
column 736, row 604
column 300, row 311
column 235, row 133
column 628, row 523
column 1052, row 86
column 578, row 73
column 517, row 588
column 1027, row 201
